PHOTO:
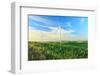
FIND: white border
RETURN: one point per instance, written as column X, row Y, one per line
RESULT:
column 19, row 64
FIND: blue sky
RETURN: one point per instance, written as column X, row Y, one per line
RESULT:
column 78, row 25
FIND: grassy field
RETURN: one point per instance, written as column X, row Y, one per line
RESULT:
column 57, row 50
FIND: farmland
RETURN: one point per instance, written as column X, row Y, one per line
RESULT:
column 57, row 50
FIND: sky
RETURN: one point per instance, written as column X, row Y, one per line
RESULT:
column 55, row 28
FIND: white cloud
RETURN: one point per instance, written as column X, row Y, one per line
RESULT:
column 82, row 20
column 42, row 20
column 68, row 24
column 55, row 35
column 31, row 28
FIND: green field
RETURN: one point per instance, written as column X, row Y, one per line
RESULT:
column 57, row 50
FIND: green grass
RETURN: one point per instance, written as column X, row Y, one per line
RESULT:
column 57, row 50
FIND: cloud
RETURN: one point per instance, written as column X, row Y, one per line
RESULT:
column 55, row 35
column 31, row 28
column 68, row 24
column 56, row 32
column 82, row 20
column 45, row 21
